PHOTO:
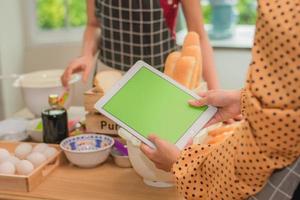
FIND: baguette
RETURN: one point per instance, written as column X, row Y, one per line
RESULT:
column 191, row 39
column 195, row 51
column 171, row 62
column 219, row 138
column 184, row 69
column 104, row 80
column 220, row 130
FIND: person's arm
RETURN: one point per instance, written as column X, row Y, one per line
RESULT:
column 85, row 62
column 193, row 15
column 91, row 34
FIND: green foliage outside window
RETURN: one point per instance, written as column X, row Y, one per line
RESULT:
column 206, row 11
column 77, row 12
column 50, row 14
column 246, row 10
column 57, row 14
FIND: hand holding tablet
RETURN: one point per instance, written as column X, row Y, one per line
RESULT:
column 146, row 101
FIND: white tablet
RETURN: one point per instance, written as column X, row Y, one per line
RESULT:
column 146, row 101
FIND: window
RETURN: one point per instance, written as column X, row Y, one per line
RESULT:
column 52, row 19
column 60, row 14
column 55, row 21
column 246, row 11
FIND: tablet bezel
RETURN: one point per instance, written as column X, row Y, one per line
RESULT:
column 183, row 140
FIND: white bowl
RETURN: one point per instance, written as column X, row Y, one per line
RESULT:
column 146, row 168
column 120, row 160
column 87, row 150
column 143, row 166
column 37, row 86
column 35, row 134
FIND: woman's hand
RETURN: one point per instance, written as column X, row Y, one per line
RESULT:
column 82, row 64
column 228, row 103
column 165, row 154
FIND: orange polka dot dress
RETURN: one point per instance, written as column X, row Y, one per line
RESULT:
column 269, row 138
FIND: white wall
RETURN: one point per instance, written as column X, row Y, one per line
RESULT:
column 232, row 65
column 1, row 96
column 11, row 52
column 18, row 53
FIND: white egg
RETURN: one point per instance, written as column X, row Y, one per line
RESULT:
column 24, row 167
column 49, row 152
column 40, row 147
column 4, row 155
column 36, row 158
column 23, row 150
column 7, row 167
column 13, row 159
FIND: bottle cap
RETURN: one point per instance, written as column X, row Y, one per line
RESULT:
column 53, row 99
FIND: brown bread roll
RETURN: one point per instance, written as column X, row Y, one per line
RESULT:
column 184, row 69
column 191, row 39
column 195, row 51
column 171, row 62
column 221, row 130
column 219, row 138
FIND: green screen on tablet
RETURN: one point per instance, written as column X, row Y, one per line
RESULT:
column 150, row 104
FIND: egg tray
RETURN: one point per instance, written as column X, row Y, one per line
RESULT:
column 26, row 183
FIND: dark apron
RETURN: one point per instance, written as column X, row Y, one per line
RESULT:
column 133, row 30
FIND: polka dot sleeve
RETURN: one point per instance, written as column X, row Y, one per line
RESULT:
column 269, row 138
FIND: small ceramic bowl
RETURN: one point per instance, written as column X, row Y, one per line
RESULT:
column 120, row 160
column 87, row 150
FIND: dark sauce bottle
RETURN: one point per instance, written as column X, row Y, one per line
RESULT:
column 55, row 122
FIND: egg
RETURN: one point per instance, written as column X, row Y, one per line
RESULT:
column 36, row 158
column 23, row 150
column 40, row 147
column 13, row 159
column 7, row 167
column 24, row 167
column 4, row 155
column 49, row 152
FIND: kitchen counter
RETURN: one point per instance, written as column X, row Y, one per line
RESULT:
column 107, row 182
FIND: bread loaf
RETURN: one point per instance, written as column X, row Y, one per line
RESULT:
column 191, row 39
column 184, row 69
column 104, row 80
column 219, row 138
column 171, row 62
column 194, row 51
column 221, row 130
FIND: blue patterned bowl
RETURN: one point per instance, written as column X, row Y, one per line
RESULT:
column 87, row 150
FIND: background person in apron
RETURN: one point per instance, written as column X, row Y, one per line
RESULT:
column 133, row 30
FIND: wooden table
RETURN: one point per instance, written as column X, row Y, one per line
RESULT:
column 107, row 182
